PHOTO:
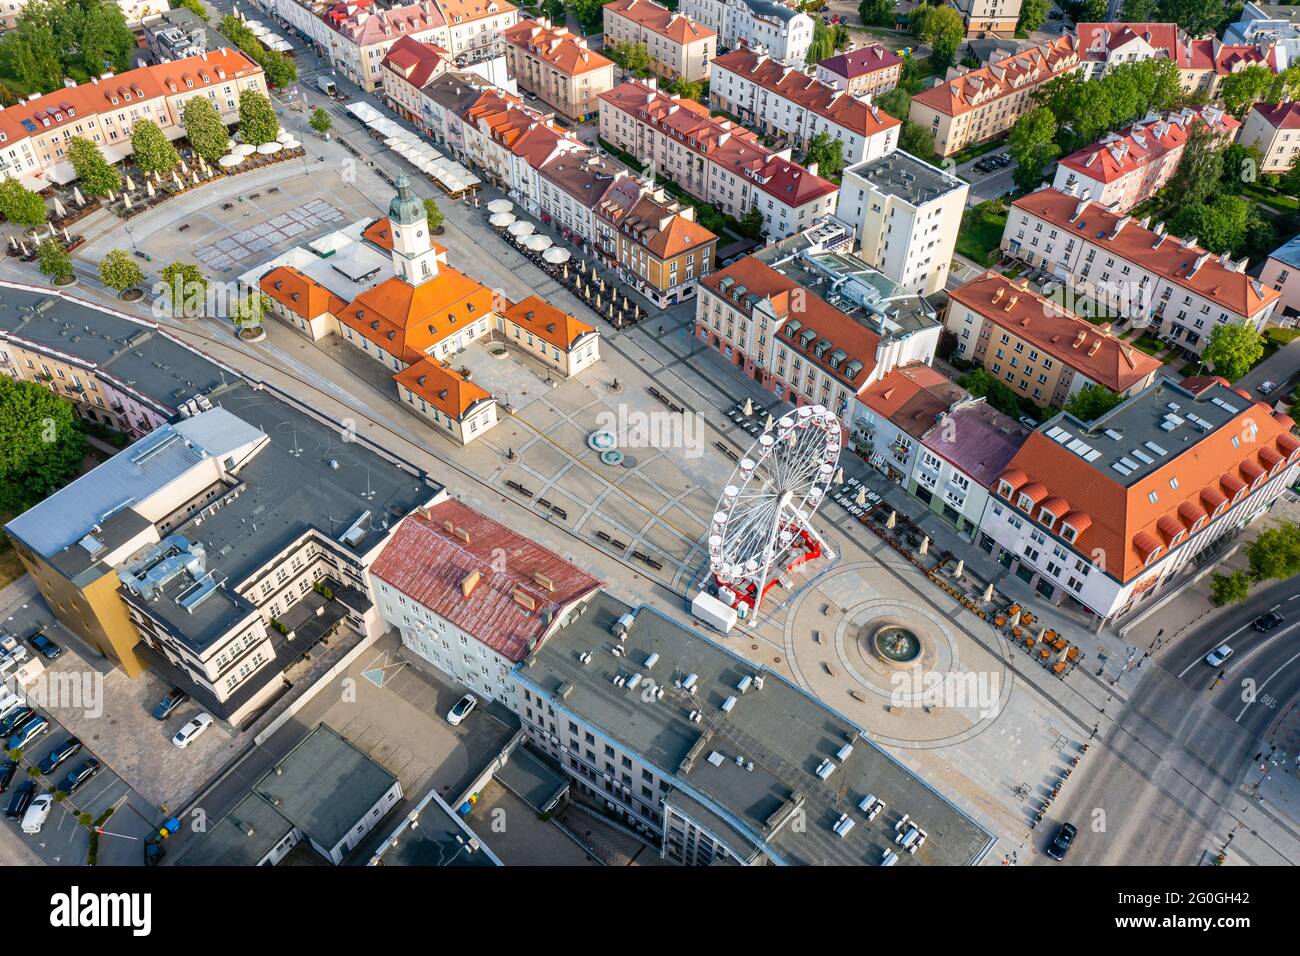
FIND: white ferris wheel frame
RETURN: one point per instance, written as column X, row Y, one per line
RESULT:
column 771, row 497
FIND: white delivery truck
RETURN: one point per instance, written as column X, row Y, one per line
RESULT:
column 714, row 612
column 326, row 86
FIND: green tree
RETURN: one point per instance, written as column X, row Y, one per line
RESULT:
column 553, row 10
column 1091, row 402
column 1195, row 16
column 1032, row 144
column 41, row 445
column 1229, row 588
column 982, row 384
column 827, row 152
column 944, row 29
column 279, row 68
column 95, row 175
column 249, row 311
column 1220, row 226
column 182, row 290
column 751, row 224
column 588, row 13
column 204, row 129
column 1232, row 349
column 197, row 8
column 118, row 270
column 1275, row 552
column 21, row 206
column 32, row 49
column 1200, row 168
column 434, row 214
column 822, row 45
column 1137, row 11
column 1033, row 14
column 53, row 260
column 150, row 148
column 1240, row 167
column 1286, row 85
column 878, row 13
column 916, row 139
column 320, row 120
column 257, row 122
column 95, row 33
column 688, row 89
column 633, row 57
column 1092, row 11
column 897, row 102
column 840, row 36
column 1240, row 90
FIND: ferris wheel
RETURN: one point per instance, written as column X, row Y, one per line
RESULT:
column 762, row 526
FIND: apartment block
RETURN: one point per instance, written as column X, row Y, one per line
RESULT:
column 1281, row 272
column 558, row 67
column 442, row 585
column 812, row 323
column 905, row 215
column 1105, row 516
column 1040, row 350
column 780, row 100
column 1126, row 168
column 654, row 241
column 977, row 105
column 714, row 159
column 1274, row 130
column 987, row 19
column 714, row 758
column 781, row 29
column 677, row 45
column 867, row 71
column 35, row 133
column 404, row 71
column 1180, row 289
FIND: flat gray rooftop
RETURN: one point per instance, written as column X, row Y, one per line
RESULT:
column 440, row 839
column 243, row 837
column 1144, row 432
column 903, row 175
column 784, row 733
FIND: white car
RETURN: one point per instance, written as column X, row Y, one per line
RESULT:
column 37, row 813
column 1266, row 387
column 185, row 736
column 464, row 707
column 1218, row 655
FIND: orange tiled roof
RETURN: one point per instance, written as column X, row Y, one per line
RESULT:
column 406, row 320
column 467, row 11
column 667, row 23
column 416, row 62
column 896, row 395
column 1122, row 525
column 662, row 229
column 803, row 90
column 300, row 294
column 380, row 233
column 1092, row 350
column 1023, row 70
column 441, row 387
column 556, row 47
column 1144, row 143
column 71, row 106
column 1186, row 265
column 551, row 325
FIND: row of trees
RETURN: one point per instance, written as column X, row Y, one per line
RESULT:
column 1273, row 555
column 58, row 38
column 41, row 444
column 279, row 69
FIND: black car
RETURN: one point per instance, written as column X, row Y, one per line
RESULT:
column 18, row 803
column 45, row 647
column 175, row 697
column 15, row 721
column 74, row 780
column 7, row 771
column 55, row 758
column 1268, row 622
column 1062, row 842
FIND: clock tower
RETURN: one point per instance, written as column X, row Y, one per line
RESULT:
column 414, row 259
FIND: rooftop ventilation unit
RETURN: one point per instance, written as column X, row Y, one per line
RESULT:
column 729, row 704
column 844, row 825
column 826, row 768
column 652, row 660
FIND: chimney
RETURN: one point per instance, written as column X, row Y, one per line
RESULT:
column 469, row 582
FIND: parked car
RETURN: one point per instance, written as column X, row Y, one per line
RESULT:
column 1062, row 842
column 74, row 780
column 56, row 757
column 1269, row 621
column 15, row 720
column 175, row 697
column 1266, row 387
column 1218, row 655
column 10, row 701
column 7, row 771
column 37, row 813
column 462, row 709
column 23, row 794
column 27, row 733
column 185, row 736
column 45, row 647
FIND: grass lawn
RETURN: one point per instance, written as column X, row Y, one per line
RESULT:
column 1149, row 344
column 1279, row 201
column 980, row 234
column 1275, row 337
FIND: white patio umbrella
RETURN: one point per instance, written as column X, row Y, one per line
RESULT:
column 244, row 149
column 230, row 159
column 79, row 199
column 538, row 243
column 501, row 220
column 555, row 255
column 148, row 188
column 500, row 205
column 268, row 149
column 58, row 208
column 521, row 228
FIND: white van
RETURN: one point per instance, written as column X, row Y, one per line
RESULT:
column 9, row 701
column 36, row 814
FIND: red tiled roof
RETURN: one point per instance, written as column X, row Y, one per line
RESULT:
column 551, row 325
column 803, row 90
column 667, row 23
column 510, row 606
column 300, row 294
column 1170, row 258
column 1144, row 143
column 1023, row 70
column 442, row 387
column 416, row 62
column 1098, row 40
column 912, row 396
column 1077, row 343
column 1285, row 115
column 556, row 47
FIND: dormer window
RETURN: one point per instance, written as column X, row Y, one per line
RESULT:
column 1046, row 518
column 1068, row 532
column 1154, row 556
column 1179, row 538
column 1026, row 503
column 1005, row 489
